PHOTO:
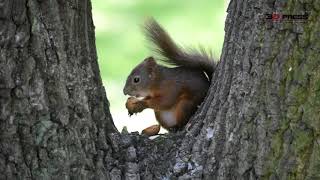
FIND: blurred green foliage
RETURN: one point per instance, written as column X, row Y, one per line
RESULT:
column 120, row 42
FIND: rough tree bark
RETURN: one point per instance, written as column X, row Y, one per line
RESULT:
column 260, row 120
column 54, row 111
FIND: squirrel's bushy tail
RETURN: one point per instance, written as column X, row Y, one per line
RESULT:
column 173, row 54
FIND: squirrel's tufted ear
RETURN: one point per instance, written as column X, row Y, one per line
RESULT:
column 151, row 65
column 150, row 61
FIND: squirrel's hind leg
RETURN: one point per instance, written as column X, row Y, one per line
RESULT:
column 175, row 118
column 183, row 111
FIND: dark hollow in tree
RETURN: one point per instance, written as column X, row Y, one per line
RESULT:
column 260, row 120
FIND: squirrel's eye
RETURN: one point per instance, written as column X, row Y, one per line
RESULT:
column 136, row 79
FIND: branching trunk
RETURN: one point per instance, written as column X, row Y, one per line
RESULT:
column 260, row 120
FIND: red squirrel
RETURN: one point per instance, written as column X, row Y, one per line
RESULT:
column 174, row 93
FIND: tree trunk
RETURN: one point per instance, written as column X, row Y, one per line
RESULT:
column 260, row 120
column 54, row 112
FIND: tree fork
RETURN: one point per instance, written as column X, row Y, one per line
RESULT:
column 260, row 119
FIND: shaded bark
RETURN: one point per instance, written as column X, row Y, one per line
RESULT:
column 263, row 105
column 260, row 120
column 54, row 112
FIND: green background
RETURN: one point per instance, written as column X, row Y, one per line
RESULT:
column 121, row 45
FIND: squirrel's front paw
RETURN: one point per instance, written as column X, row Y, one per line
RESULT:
column 134, row 105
